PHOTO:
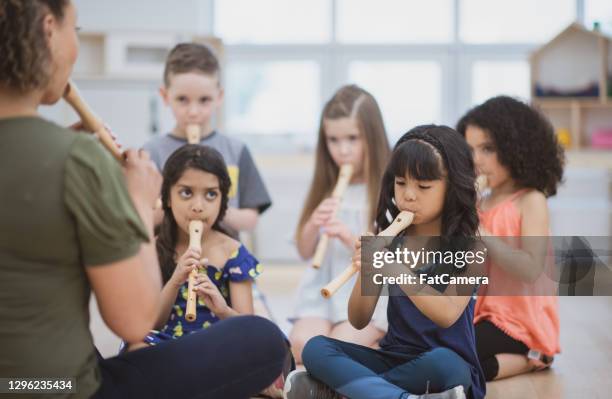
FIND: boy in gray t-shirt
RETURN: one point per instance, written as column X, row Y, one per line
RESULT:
column 193, row 92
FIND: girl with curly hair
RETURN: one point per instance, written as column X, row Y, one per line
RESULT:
column 515, row 147
column 429, row 348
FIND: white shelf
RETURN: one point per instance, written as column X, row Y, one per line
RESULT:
column 131, row 55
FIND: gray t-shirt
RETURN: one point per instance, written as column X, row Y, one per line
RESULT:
column 248, row 189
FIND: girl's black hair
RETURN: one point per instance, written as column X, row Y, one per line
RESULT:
column 524, row 140
column 414, row 155
column 191, row 156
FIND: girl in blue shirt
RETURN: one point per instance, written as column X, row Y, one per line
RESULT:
column 429, row 347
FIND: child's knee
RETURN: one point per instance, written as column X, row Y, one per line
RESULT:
column 314, row 351
column 297, row 346
column 299, row 339
column 449, row 369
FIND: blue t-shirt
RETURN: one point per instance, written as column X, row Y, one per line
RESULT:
column 411, row 332
column 240, row 266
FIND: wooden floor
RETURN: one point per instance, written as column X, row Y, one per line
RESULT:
column 582, row 370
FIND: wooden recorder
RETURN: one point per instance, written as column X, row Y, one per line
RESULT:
column 90, row 121
column 401, row 222
column 193, row 132
column 344, row 177
column 195, row 241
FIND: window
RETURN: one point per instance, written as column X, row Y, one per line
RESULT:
column 598, row 11
column 419, row 65
column 276, row 97
column 273, row 21
column 518, row 21
column 408, row 92
column 493, row 78
column 395, row 21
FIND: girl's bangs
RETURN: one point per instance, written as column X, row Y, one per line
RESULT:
column 417, row 160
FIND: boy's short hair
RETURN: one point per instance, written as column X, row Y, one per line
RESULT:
column 191, row 57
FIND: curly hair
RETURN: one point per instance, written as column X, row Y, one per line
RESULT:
column 524, row 139
column 190, row 156
column 25, row 53
column 191, row 57
column 432, row 152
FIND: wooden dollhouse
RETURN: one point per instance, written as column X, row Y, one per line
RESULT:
column 571, row 82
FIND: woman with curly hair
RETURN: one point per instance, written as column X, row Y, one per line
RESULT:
column 74, row 221
column 515, row 147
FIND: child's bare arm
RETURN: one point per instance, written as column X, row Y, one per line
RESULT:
column 241, row 294
column 361, row 308
column 308, row 236
column 441, row 309
column 526, row 261
column 535, row 223
column 337, row 229
column 167, row 300
column 307, row 240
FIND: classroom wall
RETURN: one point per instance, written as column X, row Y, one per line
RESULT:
column 161, row 15
column 133, row 109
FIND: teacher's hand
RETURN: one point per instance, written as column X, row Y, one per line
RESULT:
column 143, row 179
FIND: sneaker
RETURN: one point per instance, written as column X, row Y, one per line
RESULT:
column 301, row 385
column 453, row 393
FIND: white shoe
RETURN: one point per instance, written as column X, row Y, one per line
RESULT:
column 453, row 393
column 301, row 385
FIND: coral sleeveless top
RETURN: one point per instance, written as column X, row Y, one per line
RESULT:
column 533, row 320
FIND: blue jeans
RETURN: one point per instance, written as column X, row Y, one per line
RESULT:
column 357, row 371
column 234, row 358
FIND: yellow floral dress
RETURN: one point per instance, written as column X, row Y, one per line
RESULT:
column 240, row 266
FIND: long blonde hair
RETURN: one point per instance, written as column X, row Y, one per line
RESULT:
column 353, row 102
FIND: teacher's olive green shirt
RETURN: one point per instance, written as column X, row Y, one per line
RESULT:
column 64, row 206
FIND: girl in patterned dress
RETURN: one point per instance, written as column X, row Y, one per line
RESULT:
column 196, row 186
